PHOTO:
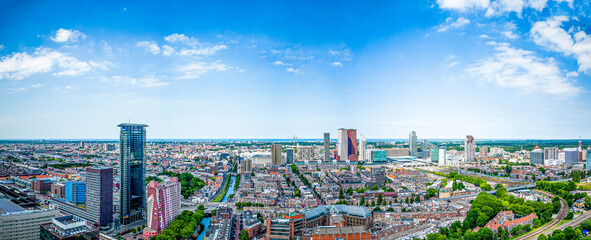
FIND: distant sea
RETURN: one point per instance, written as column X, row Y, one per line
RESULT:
column 254, row 140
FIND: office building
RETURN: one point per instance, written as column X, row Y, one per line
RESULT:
column 342, row 145
column 536, row 156
column 68, row 228
column 435, row 155
column 442, row 156
column 109, row 147
column 305, row 153
column 362, row 148
column 276, row 155
column 99, row 197
column 17, row 223
column 280, row 229
column 550, row 153
column 246, row 165
column 469, row 149
column 58, row 190
column 76, row 192
column 164, row 204
column 412, row 143
column 326, row 146
column 289, row 156
column 483, row 150
column 376, row 156
column 425, row 146
column 41, row 185
column 132, row 162
column 352, row 140
column 588, row 163
column 571, row 156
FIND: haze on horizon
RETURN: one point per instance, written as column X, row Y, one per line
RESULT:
column 266, row 69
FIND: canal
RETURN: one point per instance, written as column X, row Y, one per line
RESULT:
column 207, row 220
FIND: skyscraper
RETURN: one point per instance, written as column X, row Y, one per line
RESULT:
column 164, row 204
column 550, row 153
column 352, row 140
column 536, row 156
column 412, row 143
column 342, row 145
column 132, row 163
column 326, row 146
column 276, row 155
column 99, row 198
column 442, row 155
column 469, row 149
column 289, row 155
column 571, row 156
column 362, row 147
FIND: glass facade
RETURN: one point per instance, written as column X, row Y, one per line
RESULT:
column 132, row 165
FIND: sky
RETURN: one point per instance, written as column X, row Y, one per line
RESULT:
column 273, row 69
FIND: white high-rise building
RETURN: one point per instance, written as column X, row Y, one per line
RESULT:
column 362, row 147
column 469, row 149
column 342, row 144
column 442, row 156
column 412, row 143
column 550, row 153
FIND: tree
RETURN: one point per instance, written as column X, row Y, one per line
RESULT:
column 380, row 199
column 376, row 209
column 587, row 202
column 576, row 177
column 542, row 237
column 543, row 170
column 362, row 201
column 418, row 199
column 244, row 235
column 569, row 216
column 486, row 234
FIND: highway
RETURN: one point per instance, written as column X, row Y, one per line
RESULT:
column 561, row 214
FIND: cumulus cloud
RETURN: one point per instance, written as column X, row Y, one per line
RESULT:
column 148, row 81
column 552, row 36
column 181, row 45
column 195, row 70
column 22, row 65
column 516, row 68
column 291, row 70
column 280, row 63
column 67, row 36
column 150, row 46
column 451, row 24
column 336, row 64
column 463, row 5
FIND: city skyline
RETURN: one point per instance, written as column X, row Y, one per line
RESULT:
column 441, row 68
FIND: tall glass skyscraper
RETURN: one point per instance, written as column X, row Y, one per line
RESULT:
column 132, row 162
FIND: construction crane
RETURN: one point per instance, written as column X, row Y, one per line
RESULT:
column 293, row 142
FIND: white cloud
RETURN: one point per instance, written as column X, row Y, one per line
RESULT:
column 168, row 50
column 205, row 51
column 22, row 65
column 336, row 64
column 463, row 5
column 510, row 35
column 451, row 24
column 452, row 64
column 150, row 46
column 37, row 85
column 195, row 70
column 280, row 63
column 550, row 35
column 291, row 70
column 67, row 35
column 484, row 36
column 182, row 38
column 65, row 89
column 148, row 81
column 516, row 68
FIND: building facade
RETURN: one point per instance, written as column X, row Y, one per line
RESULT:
column 68, row 228
column 326, row 146
column 132, row 162
column 536, row 156
column 352, row 140
column 469, row 149
column 276, row 155
column 164, row 204
column 99, row 200
column 412, row 143
column 362, row 147
column 342, row 145
column 571, row 156
column 76, row 192
column 16, row 223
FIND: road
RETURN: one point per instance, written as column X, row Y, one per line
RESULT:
column 561, row 214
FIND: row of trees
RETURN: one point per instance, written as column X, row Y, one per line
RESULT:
column 240, row 205
column 569, row 233
column 189, row 183
column 183, row 225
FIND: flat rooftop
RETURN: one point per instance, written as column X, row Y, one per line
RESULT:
column 6, row 206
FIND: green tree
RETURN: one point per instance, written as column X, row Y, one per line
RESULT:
column 486, row 234
column 244, row 235
column 362, row 201
column 542, row 237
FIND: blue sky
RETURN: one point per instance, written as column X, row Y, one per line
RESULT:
column 272, row 69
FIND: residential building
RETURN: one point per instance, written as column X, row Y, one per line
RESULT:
column 483, row 150
column 550, row 153
column 442, row 156
column 164, row 204
column 305, row 153
column 362, row 148
column 339, row 233
column 326, row 146
column 132, row 160
column 412, row 143
column 99, row 199
column 276, row 155
column 378, row 176
column 469, row 149
column 342, row 145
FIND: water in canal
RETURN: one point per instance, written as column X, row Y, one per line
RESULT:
column 205, row 222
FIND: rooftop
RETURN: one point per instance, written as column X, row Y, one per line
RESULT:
column 132, row 125
column 6, row 206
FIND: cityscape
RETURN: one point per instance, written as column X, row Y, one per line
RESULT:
column 283, row 120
